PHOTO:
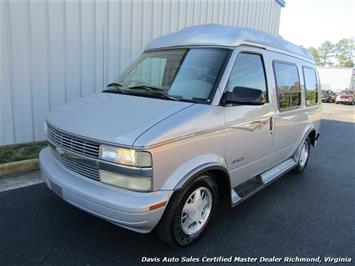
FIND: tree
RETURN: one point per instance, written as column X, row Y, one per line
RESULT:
column 314, row 52
column 344, row 52
column 326, row 52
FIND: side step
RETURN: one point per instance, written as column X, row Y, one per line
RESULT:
column 253, row 185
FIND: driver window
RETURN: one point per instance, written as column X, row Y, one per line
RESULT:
column 248, row 71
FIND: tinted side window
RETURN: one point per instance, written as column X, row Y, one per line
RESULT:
column 311, row 85
column 248, row 71
column 288, row 85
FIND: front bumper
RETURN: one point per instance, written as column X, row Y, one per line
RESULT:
column 125, row 208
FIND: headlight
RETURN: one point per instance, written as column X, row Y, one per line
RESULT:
column 137, row 183
column 125, row 156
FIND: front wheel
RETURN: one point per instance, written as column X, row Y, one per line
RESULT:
column 189, row 212
column 304, row 156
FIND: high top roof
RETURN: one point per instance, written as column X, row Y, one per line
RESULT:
column 218, row 35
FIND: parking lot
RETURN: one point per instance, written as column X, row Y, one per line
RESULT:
column 306, row 215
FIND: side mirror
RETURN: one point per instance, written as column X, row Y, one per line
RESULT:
column 243, row 96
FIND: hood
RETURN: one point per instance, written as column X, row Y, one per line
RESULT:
column 113, row 118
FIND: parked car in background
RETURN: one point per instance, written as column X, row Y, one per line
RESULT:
column 328, row 96
column 207, row 114
column 346, row 97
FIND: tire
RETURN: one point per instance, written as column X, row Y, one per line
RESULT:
column 170, row 228
column 302, row 159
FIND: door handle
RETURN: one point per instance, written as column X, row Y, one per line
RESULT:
column 271, row 124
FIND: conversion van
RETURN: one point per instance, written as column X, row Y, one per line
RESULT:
column 204, row 115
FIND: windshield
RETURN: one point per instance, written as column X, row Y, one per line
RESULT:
column 183, row 74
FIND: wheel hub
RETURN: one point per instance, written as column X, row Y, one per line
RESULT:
column 304, row 154
column 196, row 210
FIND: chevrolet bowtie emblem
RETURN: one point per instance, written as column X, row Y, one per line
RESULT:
column 59, row 150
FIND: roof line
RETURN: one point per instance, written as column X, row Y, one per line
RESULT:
column 218, row 35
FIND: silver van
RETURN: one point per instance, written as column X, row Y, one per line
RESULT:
column 204, row 115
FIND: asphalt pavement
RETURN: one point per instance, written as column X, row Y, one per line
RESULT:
column 307, row 215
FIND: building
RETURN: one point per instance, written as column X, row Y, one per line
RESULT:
column 337, row 78
column 53, row 52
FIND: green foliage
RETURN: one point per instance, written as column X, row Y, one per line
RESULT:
column 20, row 152
column 341, row 54
column 326, row 52
column 344, row 55
column 314, row 52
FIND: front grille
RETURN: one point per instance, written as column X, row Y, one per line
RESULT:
column 77, row 167
column 73, row 143
column 77, row 145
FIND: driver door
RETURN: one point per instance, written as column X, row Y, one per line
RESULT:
column 249, row 127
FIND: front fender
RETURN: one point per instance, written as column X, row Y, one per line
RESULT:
column 190, row 168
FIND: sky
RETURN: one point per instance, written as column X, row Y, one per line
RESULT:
column 312, row 22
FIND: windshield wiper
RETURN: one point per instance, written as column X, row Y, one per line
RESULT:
column 114, row 84
column 154, row 90
column 117, row 87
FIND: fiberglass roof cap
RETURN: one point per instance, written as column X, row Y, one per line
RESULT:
column 214, row 34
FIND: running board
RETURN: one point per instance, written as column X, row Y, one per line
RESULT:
column 253, row 185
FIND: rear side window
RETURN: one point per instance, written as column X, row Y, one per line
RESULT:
column 311, row 85
column 288, row 85
column 248, row 71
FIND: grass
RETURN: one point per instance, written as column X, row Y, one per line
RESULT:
column 20, row 152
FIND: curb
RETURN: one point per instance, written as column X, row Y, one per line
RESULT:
column 18, row 167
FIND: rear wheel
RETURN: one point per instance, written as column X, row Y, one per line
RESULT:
column 304, row 156
column 189, row 212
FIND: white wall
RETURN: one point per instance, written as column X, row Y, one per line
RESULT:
column 335, row 78
column 53, row 52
